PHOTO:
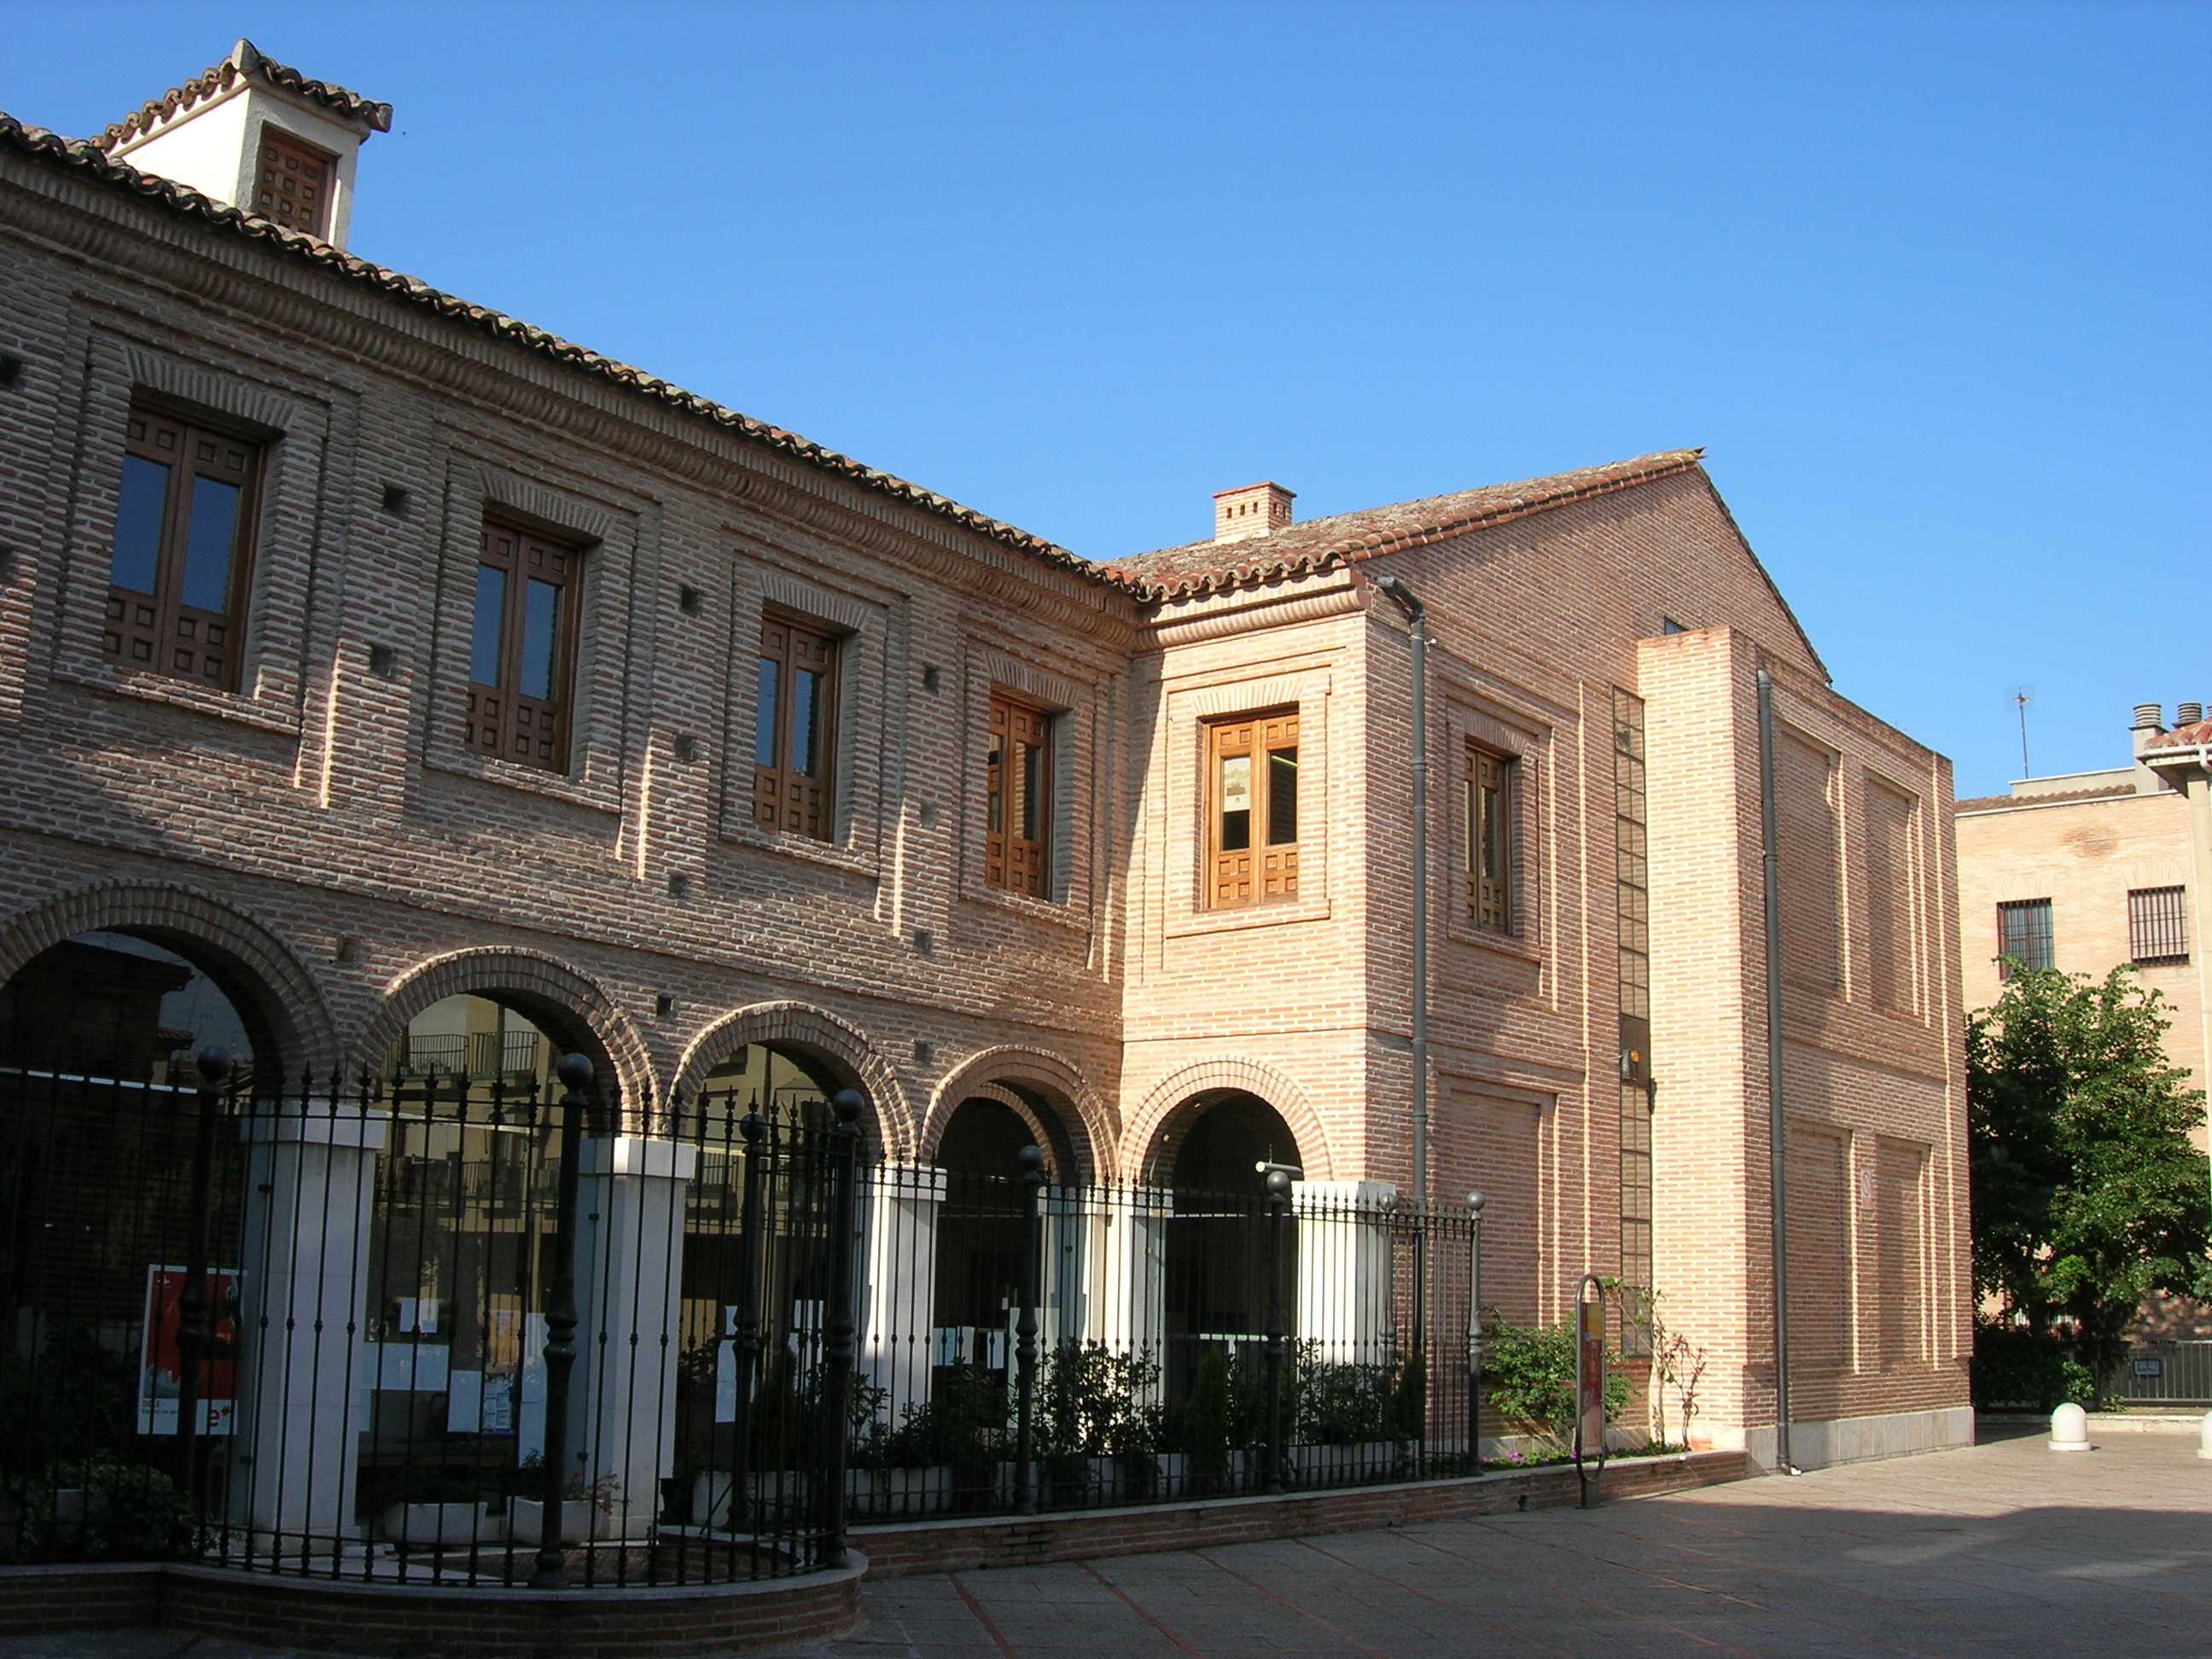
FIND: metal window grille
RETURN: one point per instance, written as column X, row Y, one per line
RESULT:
column 2158, row 924
column 2024, row 933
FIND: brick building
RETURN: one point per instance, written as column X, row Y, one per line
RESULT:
column 2087, row 871
column 424, row 681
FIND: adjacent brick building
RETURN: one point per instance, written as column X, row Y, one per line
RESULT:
column 510, row 673
column 2089, row 871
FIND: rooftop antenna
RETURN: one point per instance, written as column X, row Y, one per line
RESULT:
column 2021, row 696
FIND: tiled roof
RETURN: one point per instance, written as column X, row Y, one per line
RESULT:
column 1324, row 544
column 2198, row 736
column 87, row 159
column 2095, row 791
column 245, row 61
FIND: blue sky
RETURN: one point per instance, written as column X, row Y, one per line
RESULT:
column 1930, row 283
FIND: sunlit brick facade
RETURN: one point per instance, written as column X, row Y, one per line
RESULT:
column 667, row 843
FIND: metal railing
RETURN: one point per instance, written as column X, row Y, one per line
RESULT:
column 461, row 1330
column 2171, row 1372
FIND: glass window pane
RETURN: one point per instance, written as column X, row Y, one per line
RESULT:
column 1236, row 803
column 764, row 713
column 541, row 608
column 1494, row 835
column 805, row 720
column 208, row 536
column 138, row 523
column 1032, row 792
column 491, row 607
column 1282, row 796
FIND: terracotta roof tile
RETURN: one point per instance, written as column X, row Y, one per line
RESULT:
column 2095, row 791
column 1324, row 544
column 87, row 159
column 2198, row 736
column 246, row 62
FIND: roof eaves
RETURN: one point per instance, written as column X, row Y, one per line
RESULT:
column 85, row 157
column 245, row 61
column 1354, row 548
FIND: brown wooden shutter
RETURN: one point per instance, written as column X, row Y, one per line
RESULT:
column 793, row 791
column 292, row 185
column 1230, row 876
column 509, row 720
column 156, row 628
column 1018, row 825
column 1279, row 861
column 1490, row 882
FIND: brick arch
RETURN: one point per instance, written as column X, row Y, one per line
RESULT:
column 887, row 1123
column 1040, row 1130
column 1089, row 1125
column 1148, row 1127
column 275, row 996
column 570, row 1006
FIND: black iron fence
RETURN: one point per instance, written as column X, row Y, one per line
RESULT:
column 460, row 1328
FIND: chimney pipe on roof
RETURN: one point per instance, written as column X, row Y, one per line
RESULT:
column 2188, row 714
column 2148, row 717
column 2149, row 724
column 1255, row 510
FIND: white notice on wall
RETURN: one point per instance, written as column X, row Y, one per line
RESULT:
column 465, row 1403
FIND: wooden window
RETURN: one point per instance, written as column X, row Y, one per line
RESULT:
column 1489, row 850
column 2024, row 932
column 522, row 646
column 795, row 728
column 2158, row 924
column 1252, row 833
column 179, row 570
column 1018, row 830
column 292, row 182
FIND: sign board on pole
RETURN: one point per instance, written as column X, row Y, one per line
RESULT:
column 161, row 1360
column 1589, row 1378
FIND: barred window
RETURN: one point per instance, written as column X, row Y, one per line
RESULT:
column 2158, row 924
column 1488, row 855
column 2024, row 933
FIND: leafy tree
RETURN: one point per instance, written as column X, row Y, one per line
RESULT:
column 2086, row 1192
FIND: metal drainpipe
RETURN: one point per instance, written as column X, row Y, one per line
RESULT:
column 1394, row 590
column 1771, row 863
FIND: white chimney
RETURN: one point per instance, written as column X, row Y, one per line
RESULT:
column 257, row 134
column 1255, row 510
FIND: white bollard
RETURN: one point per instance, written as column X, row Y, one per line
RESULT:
column 2070, row 1429
column 2204, row 1438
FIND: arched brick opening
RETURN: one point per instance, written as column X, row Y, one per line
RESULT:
column 887, row 1126
column 1046, row 1090
column 274, row 995
column 567, row 1005
column 1175, row 1101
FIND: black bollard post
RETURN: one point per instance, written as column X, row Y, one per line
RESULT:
column 575, row 1074
column 192, row 1298
column 1278, row 1200
column 844, row 1227
column 1030, row 1162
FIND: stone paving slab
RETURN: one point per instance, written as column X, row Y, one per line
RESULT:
column 2000, row 1549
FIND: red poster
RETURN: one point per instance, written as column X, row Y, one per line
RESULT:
column 162, row 1366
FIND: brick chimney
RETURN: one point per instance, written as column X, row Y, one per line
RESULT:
column 1255, row 510
column 255, row 134
column 2149, row 722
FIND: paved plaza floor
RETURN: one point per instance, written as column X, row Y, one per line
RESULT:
column 2002, row 1548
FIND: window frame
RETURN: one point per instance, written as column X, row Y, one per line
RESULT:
column 1008, row 858
column 164, row 614
column 2158, row 924
column 2026, row 908
column 496, row 733
column 1227, row 737
column 1501, row 917
column 777, row 785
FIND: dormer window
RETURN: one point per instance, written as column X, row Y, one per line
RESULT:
column 292, row 182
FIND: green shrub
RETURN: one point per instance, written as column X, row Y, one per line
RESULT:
column 1529, row 1378
column 130, row 1512
column 1205, row 1423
